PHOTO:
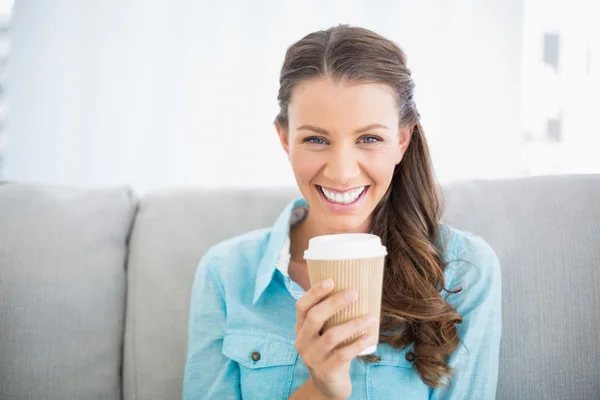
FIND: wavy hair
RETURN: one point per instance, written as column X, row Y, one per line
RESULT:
column 408, row 217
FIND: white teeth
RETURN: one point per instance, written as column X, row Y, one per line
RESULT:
column 343, row 198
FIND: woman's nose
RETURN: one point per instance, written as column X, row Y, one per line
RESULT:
column 342, row 167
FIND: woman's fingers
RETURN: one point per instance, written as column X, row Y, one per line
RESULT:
column 337, row 334
column 315, row 317
column 314, row 295
column 351, row 351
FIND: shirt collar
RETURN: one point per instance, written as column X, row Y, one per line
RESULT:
column 276, row 247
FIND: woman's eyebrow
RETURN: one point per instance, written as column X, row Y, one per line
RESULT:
column 314, row 129
column 370, row 127
column 322, row 131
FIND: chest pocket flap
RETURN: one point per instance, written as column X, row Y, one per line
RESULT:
column 395, row 357
column 259, row 349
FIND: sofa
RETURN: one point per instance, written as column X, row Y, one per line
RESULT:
column 95, row 284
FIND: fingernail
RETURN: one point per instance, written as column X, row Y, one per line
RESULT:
column 351, row 295
column 370, row 319
column 328, row 284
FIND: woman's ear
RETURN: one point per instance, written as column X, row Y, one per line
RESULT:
column 284, row 138
column 404, row 134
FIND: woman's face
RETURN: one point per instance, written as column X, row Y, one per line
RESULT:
column 343, row 141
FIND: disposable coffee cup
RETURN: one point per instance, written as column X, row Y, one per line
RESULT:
column 352, row 261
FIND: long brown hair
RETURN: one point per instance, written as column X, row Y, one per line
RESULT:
column 408, row 217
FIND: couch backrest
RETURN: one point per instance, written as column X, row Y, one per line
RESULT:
column 62, row 291
column 546, row 232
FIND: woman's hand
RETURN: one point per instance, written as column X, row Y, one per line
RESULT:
column 329, row 369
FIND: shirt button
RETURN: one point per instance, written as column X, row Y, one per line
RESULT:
column 255, row 356
column 410, row 356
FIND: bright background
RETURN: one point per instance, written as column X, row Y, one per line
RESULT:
column 157, row 94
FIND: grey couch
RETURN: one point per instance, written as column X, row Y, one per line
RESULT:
column 94, row 285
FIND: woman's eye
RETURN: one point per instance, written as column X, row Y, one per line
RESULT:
column 315, row 140
column 370, row 139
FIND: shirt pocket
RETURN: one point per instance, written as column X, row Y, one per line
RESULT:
column 266, row 363
column 395, row 366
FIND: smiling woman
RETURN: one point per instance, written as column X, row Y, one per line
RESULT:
column 350, row 128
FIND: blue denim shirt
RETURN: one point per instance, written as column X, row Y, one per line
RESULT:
column 242, row 317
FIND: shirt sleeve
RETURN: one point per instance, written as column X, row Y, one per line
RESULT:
column 208, row 373
column 475, row 360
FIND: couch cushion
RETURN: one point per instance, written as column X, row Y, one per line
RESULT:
column 546, row 232
column 62, row 291
column 172, row 232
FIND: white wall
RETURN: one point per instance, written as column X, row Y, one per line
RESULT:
column 168, row 93
column 571, row 91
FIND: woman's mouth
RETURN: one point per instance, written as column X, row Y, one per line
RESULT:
column 342, row 200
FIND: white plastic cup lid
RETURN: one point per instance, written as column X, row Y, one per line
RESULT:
column 344, row 246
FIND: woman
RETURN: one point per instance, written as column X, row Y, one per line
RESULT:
column 350, row 127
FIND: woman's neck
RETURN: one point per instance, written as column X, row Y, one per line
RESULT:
column 307, row 229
